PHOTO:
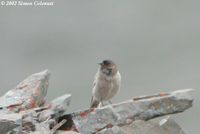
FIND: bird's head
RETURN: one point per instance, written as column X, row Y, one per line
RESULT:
column 108, row 67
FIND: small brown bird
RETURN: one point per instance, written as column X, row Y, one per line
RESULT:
column 107, row 83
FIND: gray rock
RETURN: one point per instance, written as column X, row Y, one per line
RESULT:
column 9, row 122
column 57, row 107
column 154, row 126
column 142, row 108
column 28, row 94
column 24, row 110
column 66, row 132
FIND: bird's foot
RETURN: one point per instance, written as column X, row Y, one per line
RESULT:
column 110, row 102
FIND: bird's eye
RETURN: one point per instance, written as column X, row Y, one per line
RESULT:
column 109, row 71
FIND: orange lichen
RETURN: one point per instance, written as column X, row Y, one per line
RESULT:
column 83, row 114
column 33, row 104
column 150, row 96
column 163, row 94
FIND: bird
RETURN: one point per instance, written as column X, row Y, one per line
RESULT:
column 107, row 83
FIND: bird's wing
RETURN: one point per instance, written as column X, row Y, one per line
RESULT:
column 95, row 79
column 94, row 84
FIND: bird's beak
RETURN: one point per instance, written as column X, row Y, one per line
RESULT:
column 100, row 64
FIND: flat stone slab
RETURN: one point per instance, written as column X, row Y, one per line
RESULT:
column 140, row 108
column 154, row 126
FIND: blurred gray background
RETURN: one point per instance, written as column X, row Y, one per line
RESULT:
column 156, row 45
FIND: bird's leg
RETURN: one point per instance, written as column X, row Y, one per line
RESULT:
column 102, row 103
column 99, row 105
column 110, row 102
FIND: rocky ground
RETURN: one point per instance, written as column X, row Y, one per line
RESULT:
column 24, row 110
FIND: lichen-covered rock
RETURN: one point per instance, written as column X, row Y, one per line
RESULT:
column 66, row 132
column 57, row 107
column 9, row 122
column 28, row 94
column 142, row 108
column 154, row 126
column 24, row 110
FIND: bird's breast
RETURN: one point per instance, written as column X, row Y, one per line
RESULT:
column 106, row 87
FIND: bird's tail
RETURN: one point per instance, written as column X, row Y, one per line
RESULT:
column 94, row 103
